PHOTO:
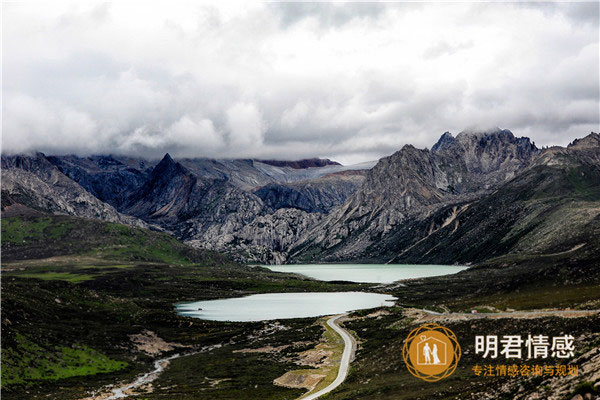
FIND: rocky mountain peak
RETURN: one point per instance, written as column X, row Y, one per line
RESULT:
column 167, row 159
column 590, row 141
column 445, row 141
column 479, row 133
column 168, row 167
column 482, row 141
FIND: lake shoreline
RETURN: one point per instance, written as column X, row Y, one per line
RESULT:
column 366, row 273
column 280, row 306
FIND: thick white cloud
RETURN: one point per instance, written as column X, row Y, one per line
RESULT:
column 351, row 81
column 47, row 124
column 246, row 129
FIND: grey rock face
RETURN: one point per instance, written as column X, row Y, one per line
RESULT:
column 34, row 182
column 214, row 214
column 409, row 207
column 189, row 206
column 108, row 178
column 476, row 161
column 416, row 182
column 266, row 239
column 206, row 202
column 317, row 195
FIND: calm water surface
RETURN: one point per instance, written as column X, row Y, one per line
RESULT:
column 374, row 273
column 261, row 307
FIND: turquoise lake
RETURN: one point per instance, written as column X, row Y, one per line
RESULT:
column 368, row 273
column 260, row 307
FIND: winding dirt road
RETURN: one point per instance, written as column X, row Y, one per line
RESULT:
column 349, row 346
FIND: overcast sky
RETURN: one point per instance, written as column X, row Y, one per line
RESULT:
column 347, row 81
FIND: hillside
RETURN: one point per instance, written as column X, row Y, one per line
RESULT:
column 82, row 299
column 41, row 236
column 209, row 203
column 548, row 206
column 546, row 209
column 34, row 182
column 471, row 197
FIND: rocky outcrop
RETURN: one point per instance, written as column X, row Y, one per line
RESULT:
column 32, row 181
column 414, row 182
column 109, row 178
column 475, row 161
column 189, row 206
column 266, row 239
column 318, row 195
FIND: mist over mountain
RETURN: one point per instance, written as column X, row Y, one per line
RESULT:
column 158, row 159
column 416, row 181
column 550, row 206
column 466, row 193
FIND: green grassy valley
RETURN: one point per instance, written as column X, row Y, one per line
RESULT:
column 79, row 294
column 89, row 305
column 74, row 291
column 300, row 200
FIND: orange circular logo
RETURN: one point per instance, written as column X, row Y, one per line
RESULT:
column 431, row 352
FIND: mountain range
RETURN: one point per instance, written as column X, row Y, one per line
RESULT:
column 467, row 199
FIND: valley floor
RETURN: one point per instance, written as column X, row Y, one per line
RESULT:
column 79, row 322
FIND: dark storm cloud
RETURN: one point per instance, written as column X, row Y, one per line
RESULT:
column 350, row 81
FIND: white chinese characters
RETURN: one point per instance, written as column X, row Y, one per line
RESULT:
column 537, row 346
column 563, row 346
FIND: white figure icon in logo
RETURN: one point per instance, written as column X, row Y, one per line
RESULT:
column 434, row 354
column 428, row 351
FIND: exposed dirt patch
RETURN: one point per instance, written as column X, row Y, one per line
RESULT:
column 378, row 313
column 266, row 349
column 151, row 344
column 323, row 359
column 293, row 379
column 317, row 357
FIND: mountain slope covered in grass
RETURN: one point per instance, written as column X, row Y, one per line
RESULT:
column 42, row 236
